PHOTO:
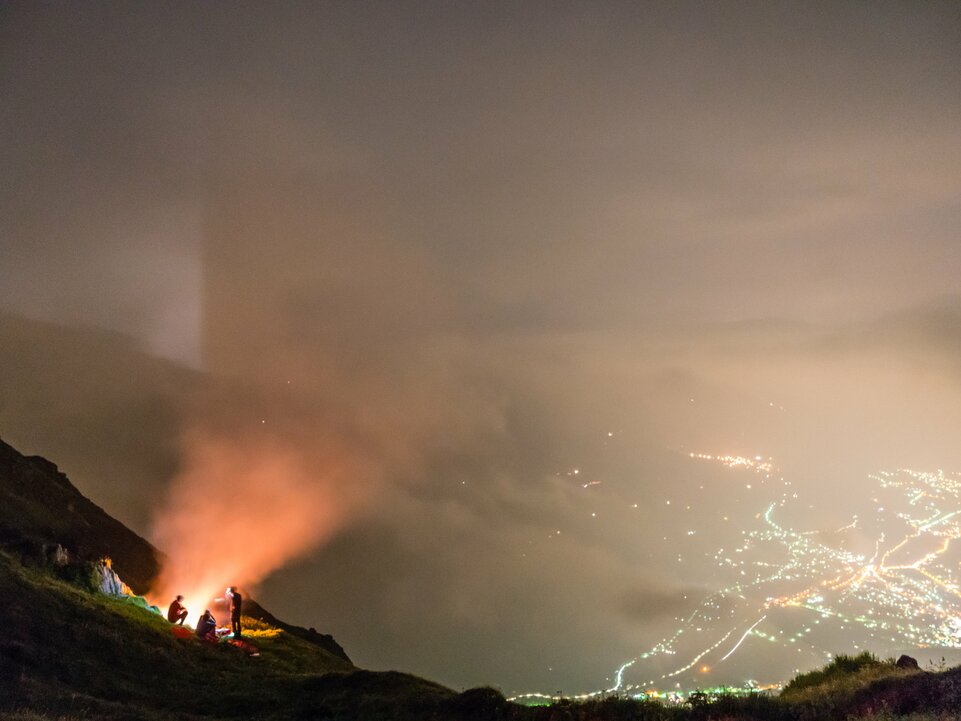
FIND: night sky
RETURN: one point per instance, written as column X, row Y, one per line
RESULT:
column 436, row 300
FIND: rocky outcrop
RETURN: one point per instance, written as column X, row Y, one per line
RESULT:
column 907, row 662
column 41, row 508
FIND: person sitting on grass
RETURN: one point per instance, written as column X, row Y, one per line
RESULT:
column 177, row 611
column 207, row 627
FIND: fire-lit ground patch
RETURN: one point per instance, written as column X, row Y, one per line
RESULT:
column 255, row 628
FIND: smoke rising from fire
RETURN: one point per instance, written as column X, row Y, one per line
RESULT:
column 270, row 470
column 242, row 507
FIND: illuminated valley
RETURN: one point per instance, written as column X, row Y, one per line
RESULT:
column 788, row 597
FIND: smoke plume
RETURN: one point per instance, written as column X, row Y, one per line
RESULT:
column 242, row 507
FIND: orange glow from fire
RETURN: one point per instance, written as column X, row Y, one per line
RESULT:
column 240, row 510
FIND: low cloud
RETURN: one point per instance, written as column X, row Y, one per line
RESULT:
column 653, row 604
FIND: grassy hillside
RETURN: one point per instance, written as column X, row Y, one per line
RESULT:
column 40, row 508
column 864, row 686
column 67, row 651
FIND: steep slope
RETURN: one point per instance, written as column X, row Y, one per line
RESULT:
column 40, row 508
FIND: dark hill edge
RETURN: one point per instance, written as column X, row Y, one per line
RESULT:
column 40, row 507
column 326, row 641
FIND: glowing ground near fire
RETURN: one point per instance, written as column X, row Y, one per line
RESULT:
column 886, row 582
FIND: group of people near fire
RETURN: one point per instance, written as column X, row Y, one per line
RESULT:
column 207, row 625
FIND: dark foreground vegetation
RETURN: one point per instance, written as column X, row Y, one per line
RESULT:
column 69, row 652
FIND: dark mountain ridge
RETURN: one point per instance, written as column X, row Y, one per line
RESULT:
column 39, row 506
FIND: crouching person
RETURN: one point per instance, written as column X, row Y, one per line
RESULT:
column 177, row 612
column 207, row 627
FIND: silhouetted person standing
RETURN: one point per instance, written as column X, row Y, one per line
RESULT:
column 177, row 612
column 236, row 600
